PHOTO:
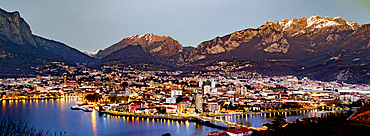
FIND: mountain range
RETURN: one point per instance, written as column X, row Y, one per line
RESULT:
column 320, row 48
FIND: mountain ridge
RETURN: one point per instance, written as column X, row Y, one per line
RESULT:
column 273, row 34
column 22, row 53
column 304, row 47
column 163, row 47
column 133, row 56
column 296, row 44
column 320, row 48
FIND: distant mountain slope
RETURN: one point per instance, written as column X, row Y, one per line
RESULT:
column 21, row 52
column 305, row 46
column 22, row 60
column 163, row 47
column 132, row 55
column 91, row 54
column 63, row 50
column 189, row 48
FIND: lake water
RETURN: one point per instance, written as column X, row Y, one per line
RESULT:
column 56, row 116
column 258, row 120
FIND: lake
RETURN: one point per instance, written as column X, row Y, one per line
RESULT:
column 56, row 116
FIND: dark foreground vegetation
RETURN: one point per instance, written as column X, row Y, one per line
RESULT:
column 332, row 125
column 10, row 127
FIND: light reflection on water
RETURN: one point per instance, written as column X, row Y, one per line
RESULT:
column 93, row 122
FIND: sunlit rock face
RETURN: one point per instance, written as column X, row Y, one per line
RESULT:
column 316, row 31
column 163, row 47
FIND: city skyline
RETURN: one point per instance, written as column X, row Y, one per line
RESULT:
column 92, row 25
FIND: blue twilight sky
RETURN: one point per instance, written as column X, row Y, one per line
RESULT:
column 97, row 24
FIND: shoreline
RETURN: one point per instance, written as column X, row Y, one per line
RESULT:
column 196, row 120
column 10, row 99
column 167, row 117
column 263, row 112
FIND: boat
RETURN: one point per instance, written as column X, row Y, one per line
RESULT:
column 76, row 107
column 86, row 109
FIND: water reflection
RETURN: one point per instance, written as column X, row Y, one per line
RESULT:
column 37, row 103
column 23, row 103
column 93, row 122
column 187, row 125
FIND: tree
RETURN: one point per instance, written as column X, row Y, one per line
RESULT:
column 249, row 87
column 8, row 126
column 279, row 121
column 179, row 99
column 335, row 103
column 93, row 97
column 357, row 103
column 124, row 84
column 112, row 98
column 245, row 123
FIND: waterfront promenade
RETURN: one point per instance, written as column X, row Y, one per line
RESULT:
column 212, row 120
column 262, row 112
column 200, row 119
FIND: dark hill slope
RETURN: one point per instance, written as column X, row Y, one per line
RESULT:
column 134, row 56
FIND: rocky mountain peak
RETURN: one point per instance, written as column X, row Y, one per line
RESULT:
column 164, row 47
column 310, row 24
column 273, row 37
column 153, row 43
column 89, row 53
column 146, row 39
column 14, row 28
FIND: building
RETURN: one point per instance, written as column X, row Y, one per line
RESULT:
column 243, row 90
column 200, row 83
column 176, row 93
column 240, row 132
column 361, row 115
column 182, row 106
column 213, row 83
column 213, row 107
column 199, row 103
column 171, row 100
column 238, row 91
column 170, row 110
column 133, row 107
column 207, row 89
